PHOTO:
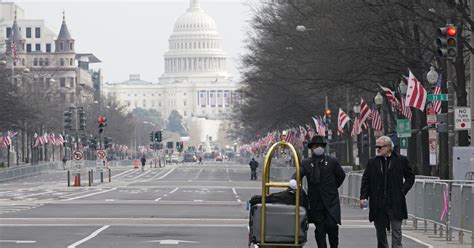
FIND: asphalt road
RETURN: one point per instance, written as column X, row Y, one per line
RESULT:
column 184, row 205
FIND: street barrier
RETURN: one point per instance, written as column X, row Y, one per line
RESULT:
column 16, row 172
column 447, row 205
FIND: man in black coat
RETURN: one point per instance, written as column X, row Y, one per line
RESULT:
column 324, row 175
column 253, row 169
column 387, row 179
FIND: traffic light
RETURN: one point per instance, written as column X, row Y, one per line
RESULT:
column 152, row 136
column 102, row 123
column 68, row 120
column 107, row 142
column 447, row 41
column 158, row 137
column 82, row 119
column 327, row 116
column 93, row 143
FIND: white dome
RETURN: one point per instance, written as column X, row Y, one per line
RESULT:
column 195, row 20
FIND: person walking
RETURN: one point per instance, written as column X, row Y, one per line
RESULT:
column 143, row 160
column 253, row 169
column 324, row 175
column 386, row 180
column 64, row 162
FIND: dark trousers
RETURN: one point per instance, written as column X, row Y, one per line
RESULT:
column 326, row 224
column 253, row 174
column 385, row 219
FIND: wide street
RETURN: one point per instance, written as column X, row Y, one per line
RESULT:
column 185, row 205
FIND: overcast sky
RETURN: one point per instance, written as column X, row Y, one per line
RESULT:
column 131, row 37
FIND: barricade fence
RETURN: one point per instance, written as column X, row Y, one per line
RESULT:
column 17, row 172
column 447, row 205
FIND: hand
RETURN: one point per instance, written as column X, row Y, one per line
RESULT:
column 363, row 202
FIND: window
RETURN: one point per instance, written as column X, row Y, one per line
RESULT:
column 28, row 48
column 152, row 104
column 63, row 97
column 35, row 62
column 41, row 61
column 38, row 47
column 184, row 103
column 60, row 46
column 9, row 32
column 71, row 97
column 71, row 82
column 46, row 62
column 62, row 82
column 28, row 32
column 71, row 62
column 48, row 48
column 37, row 32
column 184, row 113
column 71, row 46
column 62, row 61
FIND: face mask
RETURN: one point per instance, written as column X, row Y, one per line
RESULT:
column 318, row 151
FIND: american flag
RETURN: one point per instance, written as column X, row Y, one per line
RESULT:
column 416, row 94
column 320, row 129
column 309, row 132
column 437, row 90
column 342, row 119
column 403, row 109
column 376, row 119
column 6, row 139
column 60, row 140
column 364, row 111
column 356, row 130
column 390, row 96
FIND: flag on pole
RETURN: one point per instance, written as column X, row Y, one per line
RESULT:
column 356, row 130
column 403, row 109
column 376, row 119
column 342, row 119
column 365, row 111
column 416, row 94
column 437, row 90
column 319, row 129
column 390, row 96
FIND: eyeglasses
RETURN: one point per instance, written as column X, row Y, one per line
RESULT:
column 379, row 147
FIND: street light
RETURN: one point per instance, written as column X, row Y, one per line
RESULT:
column 378, row 99
column 403, row 87
column 432, row 76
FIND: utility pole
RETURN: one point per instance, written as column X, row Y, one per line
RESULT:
column 471, row 69
column 449, row 82
column 349, row 137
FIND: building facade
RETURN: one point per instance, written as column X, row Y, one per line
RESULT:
column 46, row 55
column 195, row 81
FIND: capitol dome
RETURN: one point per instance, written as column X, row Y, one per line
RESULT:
column 195, row 20
column 195, row 46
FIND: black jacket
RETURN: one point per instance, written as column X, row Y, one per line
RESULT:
column 253, row 164
column 324, row 175
column 400, row 179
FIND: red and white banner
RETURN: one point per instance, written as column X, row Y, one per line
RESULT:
column 416, row 94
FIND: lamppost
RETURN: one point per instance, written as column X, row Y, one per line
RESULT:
column 356, row 109
column 432, row 76
column 378, row 99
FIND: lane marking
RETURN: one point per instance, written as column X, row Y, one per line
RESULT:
column 147, row 172
column 154, row 176
column 18, row 241
column 169, row 172
column 122, row 173
column 92, row 235
column 174, row 190
column 82, row 196
column 157, row 199
column 197, row 176
column 233, row 190
column 417, row 240
column 42, row 193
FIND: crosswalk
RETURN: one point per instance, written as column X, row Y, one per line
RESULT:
column 17, row 207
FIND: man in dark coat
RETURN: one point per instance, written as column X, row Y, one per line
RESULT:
column 324, row 175
column 387, row 179
column 253, row 169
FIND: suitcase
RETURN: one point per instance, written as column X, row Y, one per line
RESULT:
column 279, row 224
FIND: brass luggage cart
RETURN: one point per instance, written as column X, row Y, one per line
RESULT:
column 278, row 216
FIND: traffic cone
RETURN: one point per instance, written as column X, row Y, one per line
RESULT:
column 135, row 164
column 76, row 181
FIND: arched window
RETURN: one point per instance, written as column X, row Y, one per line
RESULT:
column 35, row 62
column 46, row 62
column 41, row 61
column 62, row 61
column 71, row 62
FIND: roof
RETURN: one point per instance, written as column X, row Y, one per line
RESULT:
column 91, row 57
column 64, row 31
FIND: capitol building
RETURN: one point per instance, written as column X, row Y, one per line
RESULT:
column 195, row 81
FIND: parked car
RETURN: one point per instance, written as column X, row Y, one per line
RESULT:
column 219, row 158
column 175, row 158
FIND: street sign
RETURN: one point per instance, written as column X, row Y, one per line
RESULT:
column 403, row 128
column 77, row 155
column 438, row 97
column 430, row 116
column 462, row 118
column 101, row 154
column 403, row 143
